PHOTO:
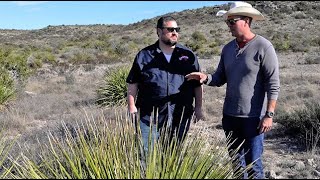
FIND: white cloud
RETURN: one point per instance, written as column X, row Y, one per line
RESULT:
column 27, row 3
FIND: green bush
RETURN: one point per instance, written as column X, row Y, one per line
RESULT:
column 198, row 36
column 7, row 89
column 114, row 88
column 82, row 57
column 194, row 45
column 44, row 57
column 15, row 59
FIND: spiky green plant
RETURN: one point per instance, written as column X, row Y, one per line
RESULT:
column 112, row 149
column 6, row 145
column 114, row 89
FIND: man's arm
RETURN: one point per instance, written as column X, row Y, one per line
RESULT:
column 198, row 102
column 266, row 123
column 131, row 95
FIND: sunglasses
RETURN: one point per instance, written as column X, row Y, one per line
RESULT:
column 232, row 21
column 171, row 29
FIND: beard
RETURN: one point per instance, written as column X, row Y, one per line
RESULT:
column 169, row 42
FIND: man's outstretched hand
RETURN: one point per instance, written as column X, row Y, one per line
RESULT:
column 197, row 76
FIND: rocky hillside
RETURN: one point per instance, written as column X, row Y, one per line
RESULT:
column 296, row 22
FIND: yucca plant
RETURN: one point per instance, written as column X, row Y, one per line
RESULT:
column 112, row 149
column 114, row 89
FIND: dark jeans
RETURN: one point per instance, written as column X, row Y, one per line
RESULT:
column 244, row 130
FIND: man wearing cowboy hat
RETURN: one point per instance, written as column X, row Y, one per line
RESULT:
column 249, row 66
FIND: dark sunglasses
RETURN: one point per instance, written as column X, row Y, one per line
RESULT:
column 171, row 29
column 233, row 21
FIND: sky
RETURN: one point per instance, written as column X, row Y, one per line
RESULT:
column 30, row 15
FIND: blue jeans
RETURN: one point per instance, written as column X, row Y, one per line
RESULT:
column 245, row 130
column 178, row 130
column 171, row 119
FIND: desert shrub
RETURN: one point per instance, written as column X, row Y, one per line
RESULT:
column 300, row 47
column 96, row 44
column 15, row 59
column 198, row 36
column 146, row 41
column 302, row 6
column 315, row 41
column 281, row 46
column 213, row 44
column 120, row 49
column 112, row 149
column 208, row 52
column 303, row 124
column 312, row 60
column 7, row 89
column 82, row 57
column 300, row 15
column 280, row 41
column 45, row 57
column 194, row 45
column 114, row 88
column 107, row 57
column 284, row 9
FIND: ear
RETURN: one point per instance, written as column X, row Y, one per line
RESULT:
column 247, row 21
column 158, row 31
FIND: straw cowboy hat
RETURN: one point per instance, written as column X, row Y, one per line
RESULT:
column 241, row 9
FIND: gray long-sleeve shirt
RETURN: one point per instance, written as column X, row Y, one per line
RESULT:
column 250, row 73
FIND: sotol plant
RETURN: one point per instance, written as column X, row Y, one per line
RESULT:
column 114, row 88
column 112, row 149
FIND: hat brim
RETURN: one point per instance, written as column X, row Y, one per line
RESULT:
column 245, row 11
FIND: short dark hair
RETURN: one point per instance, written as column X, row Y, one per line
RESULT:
column 250, row 19
column 164, row 19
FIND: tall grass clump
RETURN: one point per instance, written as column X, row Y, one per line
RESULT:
column 304, row 124
column 112, row 149
column 114, row 88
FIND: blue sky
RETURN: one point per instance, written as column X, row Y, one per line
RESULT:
column 39, row 14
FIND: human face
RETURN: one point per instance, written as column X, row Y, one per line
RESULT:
column 168, row 34
column 236, row 25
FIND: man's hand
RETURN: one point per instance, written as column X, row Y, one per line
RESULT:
column 265, row 125
column 197, row 76
column 132, row 109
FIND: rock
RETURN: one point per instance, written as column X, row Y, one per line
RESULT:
column 316, row 173
column 30, row 93
column 311, row 163
column 299, row 166
column 271, row 174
